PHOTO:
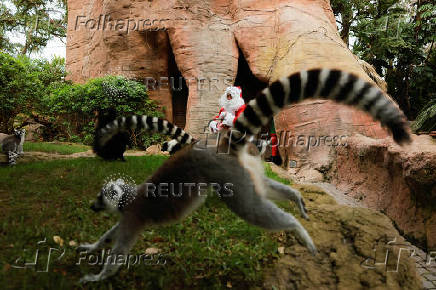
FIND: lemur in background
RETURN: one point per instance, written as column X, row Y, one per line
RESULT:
column 242, row 167
column 12, row 145
column 117, row 146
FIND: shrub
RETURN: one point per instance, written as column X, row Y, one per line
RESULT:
column 20, row 87
column 73, row 106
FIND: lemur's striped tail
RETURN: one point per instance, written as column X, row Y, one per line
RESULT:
column 140, row 122
column 336, row 85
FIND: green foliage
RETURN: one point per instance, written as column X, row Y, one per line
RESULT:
column 426, row 120
column 19, row 88
column 23, row 83
column 37, row 21
column 398, row 38
column 37, row 89
column 144, row 140
column 72, row 107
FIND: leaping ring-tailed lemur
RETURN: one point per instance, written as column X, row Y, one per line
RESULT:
column 242, row 167
column 12, row 145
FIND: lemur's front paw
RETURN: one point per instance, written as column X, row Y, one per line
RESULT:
column 299, row 201
column 304, row 238
column 89, row 248
column 90, row 278
column 303, row 209
column 311, row 246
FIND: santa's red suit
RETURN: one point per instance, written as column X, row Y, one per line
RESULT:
column 231, row 108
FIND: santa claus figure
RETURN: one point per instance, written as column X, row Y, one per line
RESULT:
column 232, row 105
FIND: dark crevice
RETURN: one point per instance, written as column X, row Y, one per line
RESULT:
column 250, row 86
column 178, row 89
column 245, row 78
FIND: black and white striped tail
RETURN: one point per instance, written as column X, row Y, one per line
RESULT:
column 173, row 146
column 12, row 158
column 141, row 122
column 336, row 85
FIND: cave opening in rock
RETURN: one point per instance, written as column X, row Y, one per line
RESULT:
column 178, row 89
column 250, row 86
column 245, row 78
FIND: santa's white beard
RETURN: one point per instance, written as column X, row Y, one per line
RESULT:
column 231, row 105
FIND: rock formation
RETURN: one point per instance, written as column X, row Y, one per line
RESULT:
column 189, row 51
column 213, row 44
column 352, row 244
column 401, row 182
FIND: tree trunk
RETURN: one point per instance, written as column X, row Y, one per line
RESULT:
column 274, row 38
column 347, row 19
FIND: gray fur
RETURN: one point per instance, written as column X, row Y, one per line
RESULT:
column 242, row 167
column 12, row 145
column 279, row 191
column 194, row 164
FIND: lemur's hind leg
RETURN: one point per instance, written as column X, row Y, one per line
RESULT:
column 105, row 239
column 20, row 150
column 125, row 238
column 261, row 212
column 280, row 191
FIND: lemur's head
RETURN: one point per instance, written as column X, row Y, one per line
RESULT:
column 19, row 132
column 114, row 196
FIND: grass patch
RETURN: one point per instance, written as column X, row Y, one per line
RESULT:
column 273, row 175
column 59, row 148
column 40, row 200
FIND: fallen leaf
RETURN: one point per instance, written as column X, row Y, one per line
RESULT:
column 229, row 284
column 281, row 250
column 58, row 240
column 152, row 251
column 157, row 240
column 6, row 267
